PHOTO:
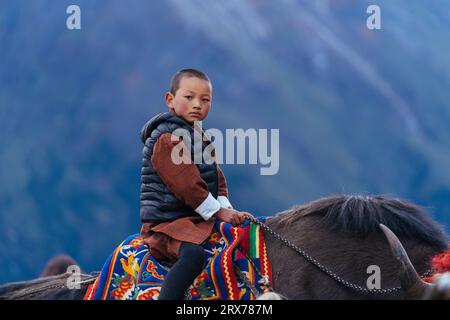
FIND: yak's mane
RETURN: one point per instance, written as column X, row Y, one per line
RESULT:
column 361, row 215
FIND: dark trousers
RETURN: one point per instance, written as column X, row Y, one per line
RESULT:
column 189, row 265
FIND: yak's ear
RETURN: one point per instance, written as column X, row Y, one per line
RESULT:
column 410, row 280
column 441, row 290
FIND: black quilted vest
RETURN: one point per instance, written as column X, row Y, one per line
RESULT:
column 158, row 203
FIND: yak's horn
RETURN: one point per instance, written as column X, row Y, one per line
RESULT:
column 415, row 287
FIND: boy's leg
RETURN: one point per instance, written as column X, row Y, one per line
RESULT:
column 182, row 274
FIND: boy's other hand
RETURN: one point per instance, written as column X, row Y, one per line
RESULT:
column 234, row 217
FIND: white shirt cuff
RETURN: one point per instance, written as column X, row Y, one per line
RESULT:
column 224, row 202
column 208, row 207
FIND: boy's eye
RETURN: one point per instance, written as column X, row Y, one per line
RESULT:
column 188, row 97
column 205, row 100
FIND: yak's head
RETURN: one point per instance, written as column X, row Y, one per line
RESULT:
column 411, row 282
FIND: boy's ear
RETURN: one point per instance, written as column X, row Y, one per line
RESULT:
column 169, row 100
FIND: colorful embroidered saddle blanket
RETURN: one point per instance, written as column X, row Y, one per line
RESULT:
column 131, row 273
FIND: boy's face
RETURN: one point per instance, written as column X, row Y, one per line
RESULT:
column 192, row 100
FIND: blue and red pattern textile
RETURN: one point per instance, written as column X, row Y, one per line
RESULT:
column 131, row 273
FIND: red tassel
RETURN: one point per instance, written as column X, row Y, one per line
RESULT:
column 441, row 262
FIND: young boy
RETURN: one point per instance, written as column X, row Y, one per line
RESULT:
column 180, row 202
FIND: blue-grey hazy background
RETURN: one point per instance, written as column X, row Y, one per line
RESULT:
column 359, row 111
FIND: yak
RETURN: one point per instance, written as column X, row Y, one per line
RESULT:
column 323, row 250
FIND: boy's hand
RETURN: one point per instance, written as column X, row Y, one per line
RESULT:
column 234, row 217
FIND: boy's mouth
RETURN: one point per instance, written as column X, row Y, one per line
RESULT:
column 195, row 114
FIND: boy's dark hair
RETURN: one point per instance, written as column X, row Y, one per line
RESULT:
column 175, row 82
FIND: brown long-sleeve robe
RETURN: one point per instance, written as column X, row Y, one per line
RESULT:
column 164, row 239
